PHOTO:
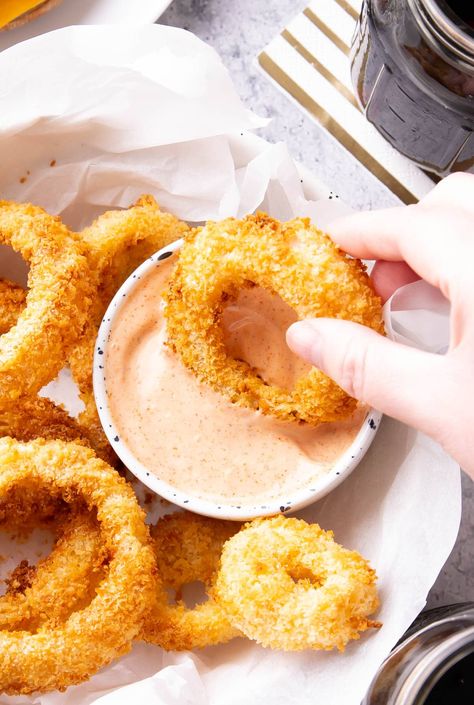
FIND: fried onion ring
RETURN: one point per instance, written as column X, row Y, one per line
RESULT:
column 294, row 260
column 27, row 419
column 58, row 655
column 116, row 243
column 288, row 585
column 33, row 351
column 120, row 240
column 187, row 549
column 12, row 302
column 38, row 417
column 62, row 583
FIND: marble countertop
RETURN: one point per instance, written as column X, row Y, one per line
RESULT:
column 238, row 30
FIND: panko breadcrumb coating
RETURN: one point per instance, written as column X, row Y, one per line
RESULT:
column 294, row 260
column 36, row 417
column 116, row 243
column 120, row 240
column 63, row 582
column 60, row 654
column 188, row 549
column 288, row 585
column 59, row 295
column 26, row 419
column 12, row 302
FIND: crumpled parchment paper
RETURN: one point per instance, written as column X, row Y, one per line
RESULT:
column 92, row 117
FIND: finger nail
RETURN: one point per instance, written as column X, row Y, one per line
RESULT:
column 304, row 340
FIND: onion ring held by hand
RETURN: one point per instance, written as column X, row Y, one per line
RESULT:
column 187, row 549
column 33, row 351
column 294, row 260
column 59, row 655
column 288, row 585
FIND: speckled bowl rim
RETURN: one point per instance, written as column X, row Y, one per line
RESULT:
column 286, row 504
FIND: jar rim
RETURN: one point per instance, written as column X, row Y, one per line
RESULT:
column 439, row 24
column 435, row 663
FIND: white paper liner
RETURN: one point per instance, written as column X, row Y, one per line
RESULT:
column 153, row 110
column 417, row 314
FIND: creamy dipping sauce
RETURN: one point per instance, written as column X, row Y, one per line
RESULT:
column 193, row 438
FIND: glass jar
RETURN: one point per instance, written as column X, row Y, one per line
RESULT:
column 412, row 64
column 433, row 664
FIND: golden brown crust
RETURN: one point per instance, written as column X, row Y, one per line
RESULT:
column 60, row 584
column 12, row 303
column 187, row 549
column 32, row 14
column 116, row 244
column 57, row 303
column 120, row 240
column 28, row 418
column 288, row 585
column 36, row 417
column 294, row 260
column 57, row 655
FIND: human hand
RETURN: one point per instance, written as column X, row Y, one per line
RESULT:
column 434, row 240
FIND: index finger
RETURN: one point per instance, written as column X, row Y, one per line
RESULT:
column 434, row 241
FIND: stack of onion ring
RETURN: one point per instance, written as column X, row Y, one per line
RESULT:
column 111, row 248
column 56, row 654
column 281, row 582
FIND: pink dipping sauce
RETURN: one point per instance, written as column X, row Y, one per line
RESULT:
column 191, row 437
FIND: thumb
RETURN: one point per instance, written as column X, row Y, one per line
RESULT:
column 400, row 381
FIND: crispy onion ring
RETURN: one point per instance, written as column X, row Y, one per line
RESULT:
column 12, row 302
column 38, row 417
column 294, row 260
column 187, row 549
column 116, row 244
column 288, row 585
column 120, row 240
column 58, row 655
column 33, row 351
column 27, row 419
column 62, row 583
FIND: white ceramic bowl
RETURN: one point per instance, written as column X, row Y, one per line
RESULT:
column 286, row 504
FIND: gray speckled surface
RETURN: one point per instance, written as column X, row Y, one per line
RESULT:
column 239, row 30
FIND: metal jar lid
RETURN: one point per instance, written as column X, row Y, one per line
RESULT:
column 423, row 656
column 433, row 666
column 440, row 29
